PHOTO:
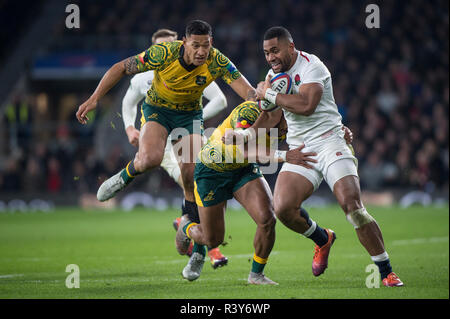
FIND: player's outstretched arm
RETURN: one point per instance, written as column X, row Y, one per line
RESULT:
column 111, row 77
column 243, row 88
column 265, row 155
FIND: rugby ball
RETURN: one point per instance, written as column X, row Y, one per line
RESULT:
column 280, row 83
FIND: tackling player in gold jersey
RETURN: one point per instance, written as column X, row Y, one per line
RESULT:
column 224, row 172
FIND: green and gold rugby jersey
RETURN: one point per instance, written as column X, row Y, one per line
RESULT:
column 220, row 157
column 178, row 86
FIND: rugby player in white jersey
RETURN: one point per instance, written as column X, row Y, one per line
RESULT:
column 139, row 85
column 313, row 120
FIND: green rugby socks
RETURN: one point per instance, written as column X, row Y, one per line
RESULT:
column 258, row 264
column 129, row 173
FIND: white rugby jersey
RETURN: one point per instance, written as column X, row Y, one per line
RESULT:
column 302, row 129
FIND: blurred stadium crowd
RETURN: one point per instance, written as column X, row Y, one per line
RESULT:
column 391, row 85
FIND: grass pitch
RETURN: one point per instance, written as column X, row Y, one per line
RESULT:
column 132, row 255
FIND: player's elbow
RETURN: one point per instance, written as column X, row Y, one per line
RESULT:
column 309, row 110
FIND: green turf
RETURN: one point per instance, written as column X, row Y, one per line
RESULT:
column 132, row 255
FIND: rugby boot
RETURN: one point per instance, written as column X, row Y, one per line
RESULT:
column 194, row 267
column 175, row 224
column 320, row 259
column 259, row 278
column 110, row 187
column 217, row 259
column 392, row 280
column 182, row 241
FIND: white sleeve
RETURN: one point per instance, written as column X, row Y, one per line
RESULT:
column 217, row 101
column 129, row 104
column 317, row 73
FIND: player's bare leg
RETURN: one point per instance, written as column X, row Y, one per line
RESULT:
column 152, row 142
column 261, row 211
column 291, row 189
column 348, row 195
column 187, row 155
column 209, row 233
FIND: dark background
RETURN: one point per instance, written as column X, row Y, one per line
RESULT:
column 390, row 83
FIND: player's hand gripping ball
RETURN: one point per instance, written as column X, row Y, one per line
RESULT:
column 280, row 83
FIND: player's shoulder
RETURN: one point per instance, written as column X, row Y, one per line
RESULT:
column 217, row 58
column 310, row 60
column 172, row 46
column 245, row 114
column 247, row 105
column 162, row 53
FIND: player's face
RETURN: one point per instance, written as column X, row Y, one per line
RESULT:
column 279, row 54
column 164, row 39
column 196, row 49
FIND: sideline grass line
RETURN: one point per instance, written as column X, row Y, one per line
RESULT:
column 418, row 241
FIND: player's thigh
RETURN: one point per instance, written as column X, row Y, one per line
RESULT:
column 152, row 142
column 256, row 198
column 291, row 189
column 342, row 178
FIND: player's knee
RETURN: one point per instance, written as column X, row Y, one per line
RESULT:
column 351, row 204
column 359, row 217
column 146, row 161
column 283, row 211
column 268, row 222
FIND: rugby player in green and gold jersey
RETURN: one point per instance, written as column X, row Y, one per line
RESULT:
column 217, row 179
column 183, row 69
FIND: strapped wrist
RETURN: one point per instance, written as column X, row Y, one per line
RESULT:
column 271, row 96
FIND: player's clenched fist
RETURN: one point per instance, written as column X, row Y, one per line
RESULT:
column 84, row 109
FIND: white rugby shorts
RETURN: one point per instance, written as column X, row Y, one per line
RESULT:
column 335, row 160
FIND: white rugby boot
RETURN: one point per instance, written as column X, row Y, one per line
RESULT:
column 194, row 267
column 259, row 279
column 110, row 187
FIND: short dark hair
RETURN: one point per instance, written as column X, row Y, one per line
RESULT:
column 163, row 33
column 279, row 33
column 198, row 27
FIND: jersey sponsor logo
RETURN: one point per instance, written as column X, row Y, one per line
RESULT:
column 209, row 197
column 153, row 116
column 297, row 79
column 338, row 153
column 200, row 80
